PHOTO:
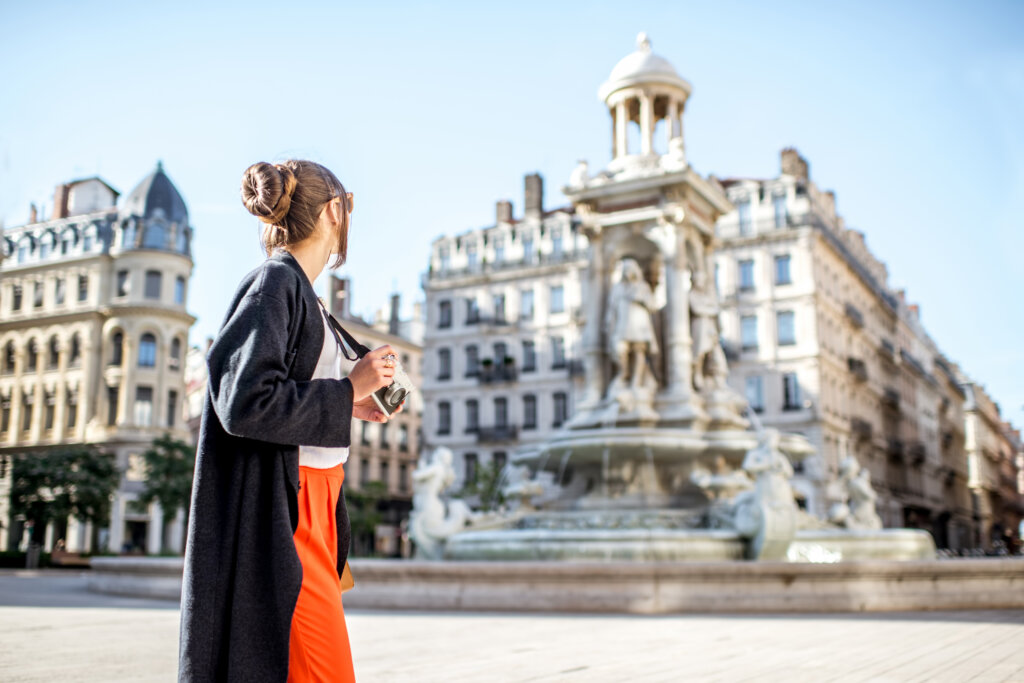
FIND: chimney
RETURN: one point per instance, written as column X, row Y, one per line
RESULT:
column 534, row 194
column 60, row 201
column 393, row 324
column 33, row 213
column 339, row 297
column 503, row 211
column 793, row 164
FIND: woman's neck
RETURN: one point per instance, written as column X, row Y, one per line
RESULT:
column 312, row 255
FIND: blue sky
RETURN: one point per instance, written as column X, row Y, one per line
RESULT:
column 429, row 113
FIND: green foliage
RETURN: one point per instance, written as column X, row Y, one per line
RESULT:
column 364, row 514
column 170, row 466
column 486, row 486
column 58, row 483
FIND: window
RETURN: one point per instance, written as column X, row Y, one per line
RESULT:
column 526, row 304
column 499, row 459
column 529, row 356
column 53, row 354
column 174, row 359
column 71, row 407
column 179, row 290
column 5, row 413
column 557, row 353
column 128, row 235
column 154, row 280
column 743, row 209
column 787, row 332
column 112, row 398
column 472, row 361
column 9, row 358
column 748, row 331
column 403, row 477
column 472, row 415
column 471, row 259
column 87, row 241
column 779, row 202
column 790, row 391
column 364, row 471
column 500, row 353
column 27, row 401
column 384, row 436
column 472, row 312
column 67, row 240
column 528, row 254
column 147, row 351
column 385, row 474
column 24, row 248
column 116, row 348
column 529, row 411
column 59, row 291
column 499, row 309
column 444, row 417
column 501, row 412
column 172, row 408
column 746, row 275
column 444, row 258
column 155, row 235
column 181, row 239
column 755, row 393
column 470, row 461
column 499, row 249
column 37, row 295
column 557, row 299
column 83, row 287
column 44, row 247
column 49, row 408
column 445, row 314
column 782, row 270
column 122, row 283
column 75, row 358
column 144, row 406
column 33, row 356
column 403, row 437
column 444, row 364
column 16, row 298
column 364, row 435
column 556, row 242
column 561, row 409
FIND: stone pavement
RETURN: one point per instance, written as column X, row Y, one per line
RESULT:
column 51, row 628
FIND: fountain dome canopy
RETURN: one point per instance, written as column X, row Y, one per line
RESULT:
column 642, row 67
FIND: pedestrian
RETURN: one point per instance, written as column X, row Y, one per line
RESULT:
column 268, row 532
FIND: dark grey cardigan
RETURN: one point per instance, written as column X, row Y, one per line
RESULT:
column 242, row 573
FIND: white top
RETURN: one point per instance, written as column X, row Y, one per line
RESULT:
column 328, row 367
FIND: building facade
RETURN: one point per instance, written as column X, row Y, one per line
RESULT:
column 502, row 333
column 93, row 334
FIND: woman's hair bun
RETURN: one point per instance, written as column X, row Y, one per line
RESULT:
column 267, row 191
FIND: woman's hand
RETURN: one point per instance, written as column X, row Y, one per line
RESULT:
column 366, row 409
column 370, row 374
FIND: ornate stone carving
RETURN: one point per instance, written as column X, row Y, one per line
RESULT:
column 430, row 523
column 632, row 342
column 856, row 498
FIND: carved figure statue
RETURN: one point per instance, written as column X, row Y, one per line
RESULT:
column 767, row 515
column 430, row 523
column 856, row 498
column 580, row 175
column 631, row 337
column 710, row 368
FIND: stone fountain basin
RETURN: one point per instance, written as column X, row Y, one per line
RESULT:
column 665, row 445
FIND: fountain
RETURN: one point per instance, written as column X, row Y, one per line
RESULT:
column 660, row 461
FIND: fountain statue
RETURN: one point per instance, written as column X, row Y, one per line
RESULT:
column 430, row 524
column 631, row 341
column 855, row 508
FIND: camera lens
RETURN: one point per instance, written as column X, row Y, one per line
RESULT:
column 397, row 395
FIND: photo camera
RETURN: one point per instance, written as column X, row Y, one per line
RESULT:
column 389, row 398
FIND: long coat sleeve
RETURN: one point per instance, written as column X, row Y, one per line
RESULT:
column 242, row 573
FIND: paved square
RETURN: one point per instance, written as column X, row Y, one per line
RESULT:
column 52, row 628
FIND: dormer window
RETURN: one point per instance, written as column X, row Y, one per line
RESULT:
column 155, row 236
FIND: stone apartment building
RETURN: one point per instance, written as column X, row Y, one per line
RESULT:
column 501, row 342
column 93, row 332
column 820, row 344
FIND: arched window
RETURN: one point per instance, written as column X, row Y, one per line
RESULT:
column 174, row 361
column 53, row 357
column 87, row 238
column 45, row 246
column 68, row 239
column 116, row 348
column 147, row 351
column 25, row 248
column 9, row 355
column 155, row 236
column 33, row 356
column 76, row 351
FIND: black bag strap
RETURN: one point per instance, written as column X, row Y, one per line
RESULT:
column 336, row 327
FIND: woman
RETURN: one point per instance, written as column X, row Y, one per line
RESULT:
column 268, row 531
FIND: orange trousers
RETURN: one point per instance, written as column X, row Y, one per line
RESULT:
column 318, row 648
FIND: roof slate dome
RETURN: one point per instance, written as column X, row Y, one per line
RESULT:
column 156, row 192
column 642, row 66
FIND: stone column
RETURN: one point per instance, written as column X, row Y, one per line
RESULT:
column 621, row 147
column 646, row 123
column 128, row 362
column 155, row 530
column 670, row 121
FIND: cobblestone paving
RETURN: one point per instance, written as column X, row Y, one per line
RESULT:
column 51, row 628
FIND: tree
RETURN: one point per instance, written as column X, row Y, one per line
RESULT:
column 364, row 514
column 170, row 468
column 56, row 484
column 486, row 486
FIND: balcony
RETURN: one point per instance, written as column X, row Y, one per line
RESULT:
column 861, row 429
column 492, row 373
column 855, row 316
column 858, row 368
column 498, row 434
column 533, row 261
column 891, row 398
column 917, row 453
column 888, row 351
column 894, row 449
